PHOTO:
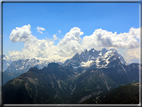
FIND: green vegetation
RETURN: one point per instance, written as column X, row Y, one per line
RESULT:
column 126, row 94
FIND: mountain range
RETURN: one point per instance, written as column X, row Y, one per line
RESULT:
column 79, row 62
column 58, row 85
column 21, row 66
column 95, row 59
column 86, row 75
column 6, row 62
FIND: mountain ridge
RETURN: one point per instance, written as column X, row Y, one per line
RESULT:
column 80, row 62
column 95, row 59
column 85, row 75
column 60, row 87
column 125, row 94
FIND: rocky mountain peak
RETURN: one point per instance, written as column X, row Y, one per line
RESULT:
column 98, row 59
column 33, row 69
column 76, row 56
column 53, row 65
column 104, row 51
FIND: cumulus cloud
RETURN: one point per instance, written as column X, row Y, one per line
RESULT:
column 33, row 47
column 135, row 32
column 15, row 55
column 54, row 37
column 40, row 29
column 71, row 43
column 59, row 31
column 132, row 55
column 103, row 38
column 21, row 34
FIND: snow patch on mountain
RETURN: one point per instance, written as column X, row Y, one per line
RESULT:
column 100, row 59
column 86, row 64
column 97, row 61
column 100, row 53
column 6, row 62
column 25, row 64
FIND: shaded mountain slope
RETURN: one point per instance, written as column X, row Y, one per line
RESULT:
column 90, row 83
column 19, row 67
column 55, row 84
column 39, row 86
column 126, row 94
column 96, row 81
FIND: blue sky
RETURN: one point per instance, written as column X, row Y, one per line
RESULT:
column 112, row 17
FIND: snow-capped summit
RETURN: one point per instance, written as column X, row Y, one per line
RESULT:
column 120, row 57
column 23, row 65
column 96, row 59
column 88, row 58
column 6, row 62
column 109, row 59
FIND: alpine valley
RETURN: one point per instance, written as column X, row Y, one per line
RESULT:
column 86, row 75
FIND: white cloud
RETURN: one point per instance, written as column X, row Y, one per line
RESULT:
column 15, row 55
column 132, row 55
column 21, row 34
column 135, row 32
column 33, row 47
column 59, row 31
column 54, row 37
column 36, row 49
column 103, row 38
column 40, row 29
column 71, row 43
